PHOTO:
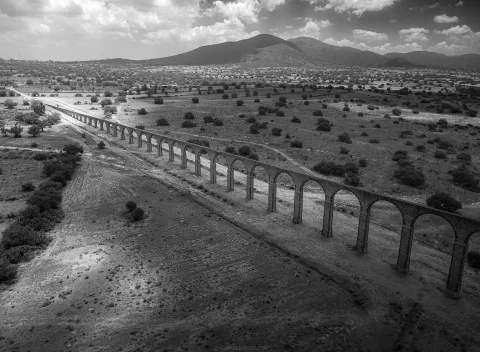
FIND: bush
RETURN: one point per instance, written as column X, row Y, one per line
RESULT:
column 444, row 201
column 142, row 111
column 17, row 235
column 131, row 205
column 162, row 122
column 244, row 150
column 254, row 128
column 138, row 214
column 420, row 148
column 296, row 120
column 7, row 270
column 351, row 179
column 323, row 125
column 473, row 259
column 101, row 145
column 362, row 163
column 28, row 187
column 280, row 113
column 464, row 158
column 409, row 176
column 218, row 122
column 396, row 112
column 276, row 131
column 231, row 150
column 296, row 144
column 345, row 138
column 329, row 168
column 45, row 199
column 240, row 102
column 374, row 141
column 94, row 99
column 208, row 119
column 189, row 116
column 72, row 149
column 344, row 151
column 465, row 179
column 371, row 107
column 318, row 113
column 188, row 124
column 140, row 127
column 253, row 156
column 364, row 134
column 195, row 100
column 225, row 96
column 158, row 100
column 234, row 96
column 440, row 154
column 40, row 156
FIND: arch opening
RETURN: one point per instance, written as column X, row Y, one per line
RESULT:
column 239, row 175
column 346, row 215
column 313, row 203
column 260, row 179
column 221, row 166
column 285, row 194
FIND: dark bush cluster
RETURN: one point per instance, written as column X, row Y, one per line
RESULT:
column 345, row 138
column 135, row 213
column 444, row 201
column 28, row 232
column 464, row 178
column 410, row 176
column 162, row 122
column 323, row 125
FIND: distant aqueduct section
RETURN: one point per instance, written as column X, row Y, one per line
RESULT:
column 463, row 227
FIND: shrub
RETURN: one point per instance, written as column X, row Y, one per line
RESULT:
column 188, row 124
column 162, row 122
column 329, row 168
column 7, row 270
column 231, row 150
column 256, row 101
column 142, row 111
column 28, row 187
column 225, row 96
column 420, row 148
column 40, row 156
column 105, row 102
column 440, row 154
column 101, row 145
column 464, row 178
column 234, row 96
column 345, row 138
column 45, row 199
column 94, row 99
column 296, row 144
column 282, row 99
column 17, row 235
column 244, row 150
column 240, row 102
column 351, row 179
column 254, row 128
column 415, row 111
column 464, row 158
column 364, row 134
column 189, row 116
column 473, row 259
column 344, row 151
column 318, row 113
column 323, row 125
column 131, row 205
column 386, row 116
column 280, row 113
column 377, row 125
column 218, row 122
column 195, row 100
column 371, row 107
column 158, row 100
column 444, row 201
column 208, row 119
column 140, row 127
column 296, row 120
column 396, row 112
column 138, row 214
column 374, row 141
column 72, row 149
column 409, row 176
column 253, row 156
column 362, row 163
column 276, row 131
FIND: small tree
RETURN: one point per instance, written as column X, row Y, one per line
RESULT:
column 162, row 122
column 240, row 102
column 444, row 201
column 34, row 130
column 142, row 111
column 345, row 138
column 38, row 107
column 9, row 104
column 138, row 214
column 94, row 99
column 16, row 131
column 131, row 205
column 189, row 116
column 276, row 131
column 101, row 145
column 244, row 150
column 296, row 144
column 195, row 100
column 158, row 100
column 28, row 187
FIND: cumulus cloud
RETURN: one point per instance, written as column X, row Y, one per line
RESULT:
column 424, row 7
column 380, row 49
column 369, row 36
column 460, row 3
column 243, row 9
column 463, row 30
column 445, row 19
column 271, row 5
column 414, row 34
column 312, row 28
column 356, row 7
column 450, row 49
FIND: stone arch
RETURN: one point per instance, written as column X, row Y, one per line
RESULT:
column 188, row 154
column 287, row 192
column 202, row 158
column 172, row 145
column 242, row 170
column 348, row 204
column 313, row 196
column 140, row 134
column 219, row 167
column 122, row 132
column 259, row 175
column 389, row 222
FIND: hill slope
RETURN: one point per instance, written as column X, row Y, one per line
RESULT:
column 279, row 55
column 320, row 52
column 223, row 53
column 432, row 59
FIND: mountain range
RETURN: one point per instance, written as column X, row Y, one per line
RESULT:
column 268, row 50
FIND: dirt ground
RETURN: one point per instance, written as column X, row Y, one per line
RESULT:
column 187, row 278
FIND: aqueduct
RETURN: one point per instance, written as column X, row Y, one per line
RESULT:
column 463, row 227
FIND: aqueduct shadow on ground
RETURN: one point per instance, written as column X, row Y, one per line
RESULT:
column 463, row 227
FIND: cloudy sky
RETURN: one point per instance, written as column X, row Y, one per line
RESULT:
column 141, row 29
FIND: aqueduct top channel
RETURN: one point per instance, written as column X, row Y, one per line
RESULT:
column 463, row 227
